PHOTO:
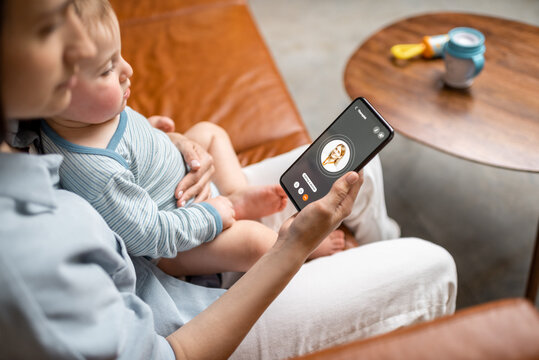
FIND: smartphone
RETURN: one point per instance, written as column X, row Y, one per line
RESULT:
column 349, row 143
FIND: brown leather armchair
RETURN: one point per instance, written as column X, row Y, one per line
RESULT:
column 204, row 60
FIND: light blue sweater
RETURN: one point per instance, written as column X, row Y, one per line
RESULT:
column 67, row 283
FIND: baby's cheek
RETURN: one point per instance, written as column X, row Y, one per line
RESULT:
column 110, row 100
column 110, row 97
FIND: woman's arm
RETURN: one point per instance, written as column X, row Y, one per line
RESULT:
column 217, row 331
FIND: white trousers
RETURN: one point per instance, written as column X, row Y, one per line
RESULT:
column 357, row 293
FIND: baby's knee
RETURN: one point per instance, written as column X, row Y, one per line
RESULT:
column 210, row 129
column 257, row 238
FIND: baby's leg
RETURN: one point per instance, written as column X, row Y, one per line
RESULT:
column 235, row 249
column 250, row 202
column 228, row 175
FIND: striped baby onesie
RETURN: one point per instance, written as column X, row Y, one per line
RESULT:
column 131, row 184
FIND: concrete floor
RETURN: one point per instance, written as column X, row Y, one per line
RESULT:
column 485, row 217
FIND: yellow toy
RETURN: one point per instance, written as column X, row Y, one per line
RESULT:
column 432, row 46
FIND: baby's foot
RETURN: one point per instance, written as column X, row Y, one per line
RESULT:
column 254, row 202
column 330, row 245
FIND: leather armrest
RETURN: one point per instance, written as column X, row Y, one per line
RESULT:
column 505, row 329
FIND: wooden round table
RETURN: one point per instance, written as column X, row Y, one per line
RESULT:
column 494, row 122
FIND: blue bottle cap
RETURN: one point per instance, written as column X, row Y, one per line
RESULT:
column 465, row 42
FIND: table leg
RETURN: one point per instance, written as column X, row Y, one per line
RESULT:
column 533, row 279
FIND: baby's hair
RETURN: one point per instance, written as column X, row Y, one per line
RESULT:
column 96, row 14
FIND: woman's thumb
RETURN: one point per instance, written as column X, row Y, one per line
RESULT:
column 352, row 177
column 341, row 190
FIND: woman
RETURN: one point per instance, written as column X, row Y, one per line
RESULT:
column 68, row 287
column 335, row 155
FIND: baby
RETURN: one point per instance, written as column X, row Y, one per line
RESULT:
column 129, row 171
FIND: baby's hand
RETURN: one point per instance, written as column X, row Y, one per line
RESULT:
column 224, row 207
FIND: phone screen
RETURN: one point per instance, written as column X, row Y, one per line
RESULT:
column 349, row 143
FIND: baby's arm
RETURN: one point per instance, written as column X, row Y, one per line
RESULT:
column 225, row 208
column 147, row 231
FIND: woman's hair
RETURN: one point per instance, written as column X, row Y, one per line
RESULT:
column 342, row 151
column 2, row 117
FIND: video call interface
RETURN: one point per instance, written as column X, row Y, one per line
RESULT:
column 341, row 148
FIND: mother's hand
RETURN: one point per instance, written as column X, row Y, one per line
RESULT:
column 314, row 223
column 197, row 182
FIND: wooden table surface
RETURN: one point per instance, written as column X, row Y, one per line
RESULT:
column 495, row 122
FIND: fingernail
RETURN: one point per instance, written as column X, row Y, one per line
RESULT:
column 183, row 203
column 352, row 178
column 195, row 163
column 180, row 193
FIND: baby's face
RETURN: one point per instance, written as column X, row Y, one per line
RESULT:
column 102, row 87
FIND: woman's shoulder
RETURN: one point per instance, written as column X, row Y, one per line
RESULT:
column 37, row 215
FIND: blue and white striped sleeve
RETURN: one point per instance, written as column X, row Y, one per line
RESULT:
column 147, row 231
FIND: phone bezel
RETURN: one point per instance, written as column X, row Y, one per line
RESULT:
column 363, row 163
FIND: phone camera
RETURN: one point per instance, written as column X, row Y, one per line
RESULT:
column 376, row 130
column 381, row 135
